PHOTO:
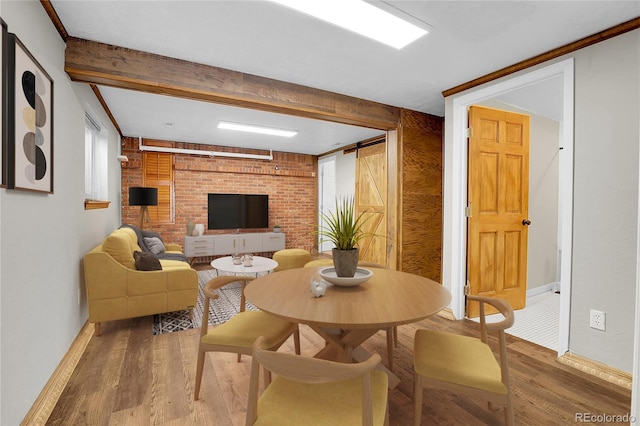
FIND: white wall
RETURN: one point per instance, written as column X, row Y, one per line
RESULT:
column 543, row 202
column 43, row 237
column 607, row 107
column 345, row 174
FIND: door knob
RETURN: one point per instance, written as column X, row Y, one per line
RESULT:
column 526, row 222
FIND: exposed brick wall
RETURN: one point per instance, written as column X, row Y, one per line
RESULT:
column 291, row 189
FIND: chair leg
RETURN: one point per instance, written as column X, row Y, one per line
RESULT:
column 395, row 336
column 239, row 357
column 390, row 348
column 386, row 415
column 508, row 411
column 417, row 399
column 199, row 368
column 97, row 329
column 296, row 341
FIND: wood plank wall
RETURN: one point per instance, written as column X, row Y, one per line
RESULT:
column 420, row 194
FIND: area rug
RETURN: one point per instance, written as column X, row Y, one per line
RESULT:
column 220, row 310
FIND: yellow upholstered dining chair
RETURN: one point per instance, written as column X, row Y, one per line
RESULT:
column 311, row 391
column 464, row 364
column 291, row 258
column 238, row 333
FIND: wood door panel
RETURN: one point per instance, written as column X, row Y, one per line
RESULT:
column 489, row 130
column 513, row 190
column 487, row 262
column 513, row 134
column 371, row 247
column 498, row 196
column 489, row 190
column 371, row 198
column 512, row 242
column 371, row 175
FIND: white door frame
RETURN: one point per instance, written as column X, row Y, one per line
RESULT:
column 454, row 248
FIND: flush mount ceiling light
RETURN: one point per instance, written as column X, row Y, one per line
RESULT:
column 361, row 17
column 256, row 129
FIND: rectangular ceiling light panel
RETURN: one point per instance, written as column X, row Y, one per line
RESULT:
column 256, row 129
column 360, row 17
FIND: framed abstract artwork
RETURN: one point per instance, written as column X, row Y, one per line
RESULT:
column 3, row 102
column 30, row 122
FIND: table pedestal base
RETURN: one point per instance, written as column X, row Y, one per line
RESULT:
column 344, row 346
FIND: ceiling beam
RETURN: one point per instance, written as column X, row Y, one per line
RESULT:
column 98, row 63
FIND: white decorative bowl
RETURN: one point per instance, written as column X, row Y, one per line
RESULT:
column 329, row 274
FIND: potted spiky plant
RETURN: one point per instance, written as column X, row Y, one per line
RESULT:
column 344, row 229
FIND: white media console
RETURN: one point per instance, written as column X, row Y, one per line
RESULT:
column 221, row 244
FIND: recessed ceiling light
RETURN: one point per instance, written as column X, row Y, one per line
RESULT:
column 361, row 17
column 256, row 129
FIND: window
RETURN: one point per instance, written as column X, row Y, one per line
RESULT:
column 158, row 173
column 95, row 160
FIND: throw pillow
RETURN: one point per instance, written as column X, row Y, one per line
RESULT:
column 146, row 262
column 155, row 245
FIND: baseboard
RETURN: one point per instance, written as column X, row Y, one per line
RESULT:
column 597, row 369
column 543, row 289
column 48, row 398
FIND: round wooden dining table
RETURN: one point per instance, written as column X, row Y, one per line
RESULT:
column 347, row 316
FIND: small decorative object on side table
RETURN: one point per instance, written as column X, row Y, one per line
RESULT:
column 277, row 228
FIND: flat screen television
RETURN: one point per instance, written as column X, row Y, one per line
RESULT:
column 238, row 211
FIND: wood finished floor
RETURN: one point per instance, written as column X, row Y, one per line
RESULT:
column 129, row 377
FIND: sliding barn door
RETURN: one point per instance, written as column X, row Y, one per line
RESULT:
column 371, row 197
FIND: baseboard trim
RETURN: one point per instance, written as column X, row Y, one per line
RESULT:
column 543, row 289
column 597, row 369
column 48, row 398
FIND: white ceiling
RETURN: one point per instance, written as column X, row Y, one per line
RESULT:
column 176, row 119
column 468, row 39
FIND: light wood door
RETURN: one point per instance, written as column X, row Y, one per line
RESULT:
column 371, row 197
column 498, row 193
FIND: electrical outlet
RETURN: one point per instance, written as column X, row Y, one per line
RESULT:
column 597, row 320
